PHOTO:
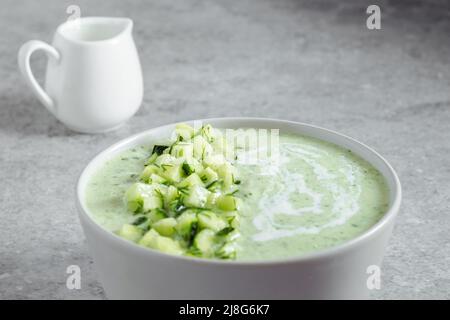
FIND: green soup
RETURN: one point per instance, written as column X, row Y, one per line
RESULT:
column 316, row 196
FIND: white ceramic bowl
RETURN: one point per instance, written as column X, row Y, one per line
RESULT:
column 128, row 271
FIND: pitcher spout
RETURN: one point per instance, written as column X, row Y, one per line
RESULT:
column 95, row 29
column 123, row 25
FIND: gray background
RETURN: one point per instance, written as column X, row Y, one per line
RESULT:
column 310, row 61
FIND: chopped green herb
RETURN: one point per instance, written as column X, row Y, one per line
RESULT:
column 165, row 166
column 232, row 193
column 179, row 209
column 194, row 251
column 194, row 228
column 187, row 169
column 159, row 193
column 151, row 159
column 212, row 184
column 225, row 231
column 159, row 149
column 184, row 190
column 139, row 220
column 162, row 212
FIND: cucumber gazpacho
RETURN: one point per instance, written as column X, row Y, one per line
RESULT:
column 192, row 196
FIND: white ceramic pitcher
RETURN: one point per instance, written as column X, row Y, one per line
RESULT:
column 94, row 80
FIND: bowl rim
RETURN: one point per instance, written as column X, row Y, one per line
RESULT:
column 304, row 258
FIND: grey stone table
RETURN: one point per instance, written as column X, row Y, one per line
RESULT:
column 310, row 61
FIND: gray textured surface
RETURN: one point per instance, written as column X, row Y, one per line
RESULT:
column 311, row 61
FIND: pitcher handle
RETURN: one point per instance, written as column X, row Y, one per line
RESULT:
column 25, row 52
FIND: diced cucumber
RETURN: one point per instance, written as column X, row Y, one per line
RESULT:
column 233, row 218
column 164, row 159
column 214, row 161
column 152, row 202
column 185, row 223
column 194, row 164
column 227, row 251
column 183, row 150
column 165, row 227
column 215, row 186
column 156, row 215
column 212, row 199
column 172, row 172
column 153, row 240
column 151, row 159
column 149, row 239
column 192, row 180
column 226, row 203
column 154, row 178
column 131, row 232
column 207, row 132
column 135, row 206
column 138, row 191
column 185, row 131
column 134, row 197
column 148, row 171
column 204, row 241
column 202, row 148
column 168, row 245
column 183, row 135
column 226, row 172
column 170, row 195
column 142, row 197
column 160, row 189
column 186, row 197
column 208, row 176
column 197, row 197
column 209, row 220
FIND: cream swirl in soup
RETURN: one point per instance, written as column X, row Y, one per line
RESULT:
column 315, row 196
